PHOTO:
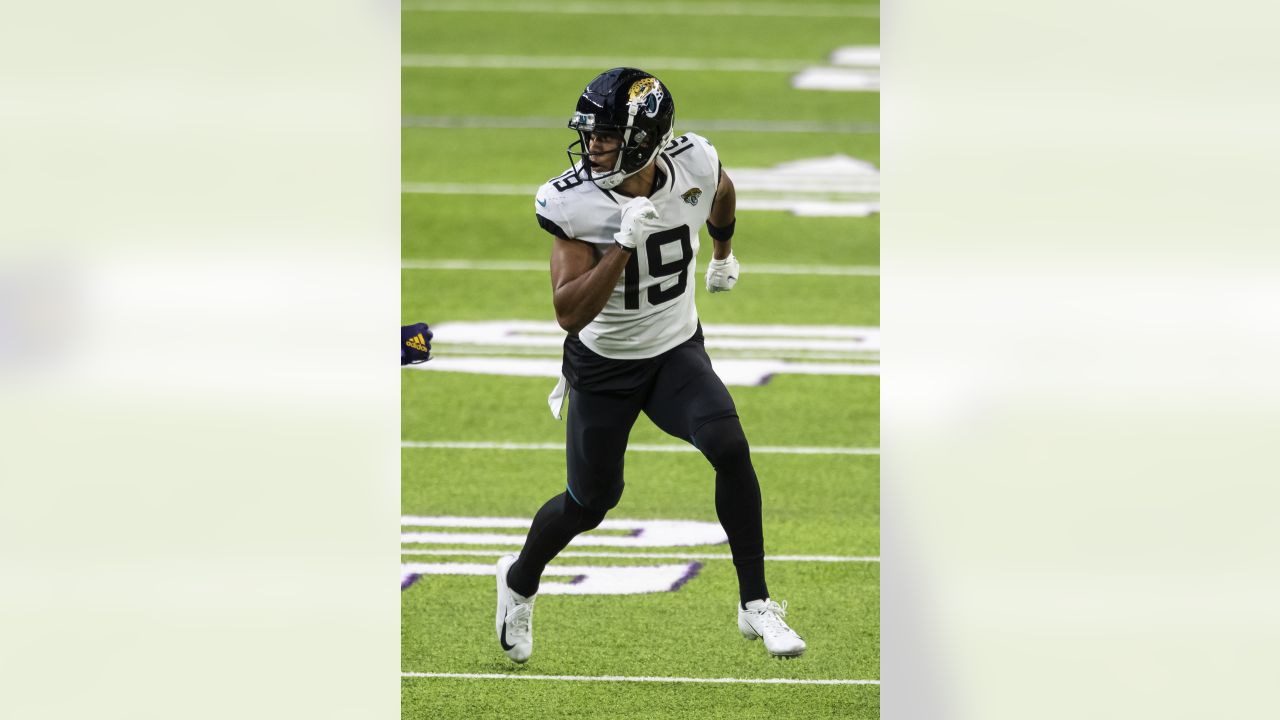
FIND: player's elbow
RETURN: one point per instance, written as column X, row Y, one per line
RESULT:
column 568, row 320
column 570, row 324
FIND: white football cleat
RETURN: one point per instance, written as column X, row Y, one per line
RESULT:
column 514, row 621
column 763, row 619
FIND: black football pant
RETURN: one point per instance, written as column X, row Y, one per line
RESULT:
column 684, row 397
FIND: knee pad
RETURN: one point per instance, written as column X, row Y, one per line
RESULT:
column 589, row 518
column 723, row 442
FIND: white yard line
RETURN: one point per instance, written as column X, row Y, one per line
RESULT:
column 636, row 678
column 857, row 270
column 558, row 123
column 712, row 9
column 424, row 188
column 574, row 62
column 637, row 447
column 530, row 266
column 837, row 78
column 504, row 265
column 858, row 202
column 857, row 55
column 656, row 556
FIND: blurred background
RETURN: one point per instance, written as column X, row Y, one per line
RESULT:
column 199, row 273
column 198, row 285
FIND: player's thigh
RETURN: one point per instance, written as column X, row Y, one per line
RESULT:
column 596, row 434
column 687, row 394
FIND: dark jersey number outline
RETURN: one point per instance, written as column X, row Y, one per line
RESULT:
column 658, row 269
column 566, row 181
column 671, row 148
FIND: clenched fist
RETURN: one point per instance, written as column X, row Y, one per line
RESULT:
column 722, row 275
column 639, row 218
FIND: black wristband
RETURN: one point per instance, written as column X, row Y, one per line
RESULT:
column 721, row 233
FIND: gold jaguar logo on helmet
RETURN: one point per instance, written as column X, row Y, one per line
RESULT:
column 691, row 196
column 647, row 94
column 642, row 87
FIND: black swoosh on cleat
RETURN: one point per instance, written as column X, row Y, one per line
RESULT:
column 503, row 639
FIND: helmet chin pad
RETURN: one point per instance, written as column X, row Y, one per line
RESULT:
column 615, row 178
column 612, row 181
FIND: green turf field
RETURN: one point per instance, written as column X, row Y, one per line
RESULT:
column 487, row 88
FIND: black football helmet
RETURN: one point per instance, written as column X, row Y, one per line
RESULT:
column 634, row 106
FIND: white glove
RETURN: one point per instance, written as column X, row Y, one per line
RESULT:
column 639, row 218
column 722, row 275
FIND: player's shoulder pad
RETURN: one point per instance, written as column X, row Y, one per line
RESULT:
column 552, row 208
column 697, row 151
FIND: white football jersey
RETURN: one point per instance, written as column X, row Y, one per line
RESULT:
column 651, row 309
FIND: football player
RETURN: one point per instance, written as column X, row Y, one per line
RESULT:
column 626, row 220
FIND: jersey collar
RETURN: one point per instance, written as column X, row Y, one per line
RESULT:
column 660, row 181
column 664, row 179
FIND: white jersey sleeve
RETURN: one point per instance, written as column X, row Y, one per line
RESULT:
column 549, row 207
column 709, row 154
column 651, row 309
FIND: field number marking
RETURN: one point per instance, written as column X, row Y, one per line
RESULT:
column 832, row 186
column 759, row 351
column 581, row 579
column 640, row 533
column 574, row 579
column 654, row 556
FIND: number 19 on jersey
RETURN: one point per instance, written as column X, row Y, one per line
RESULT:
column 659, row 271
